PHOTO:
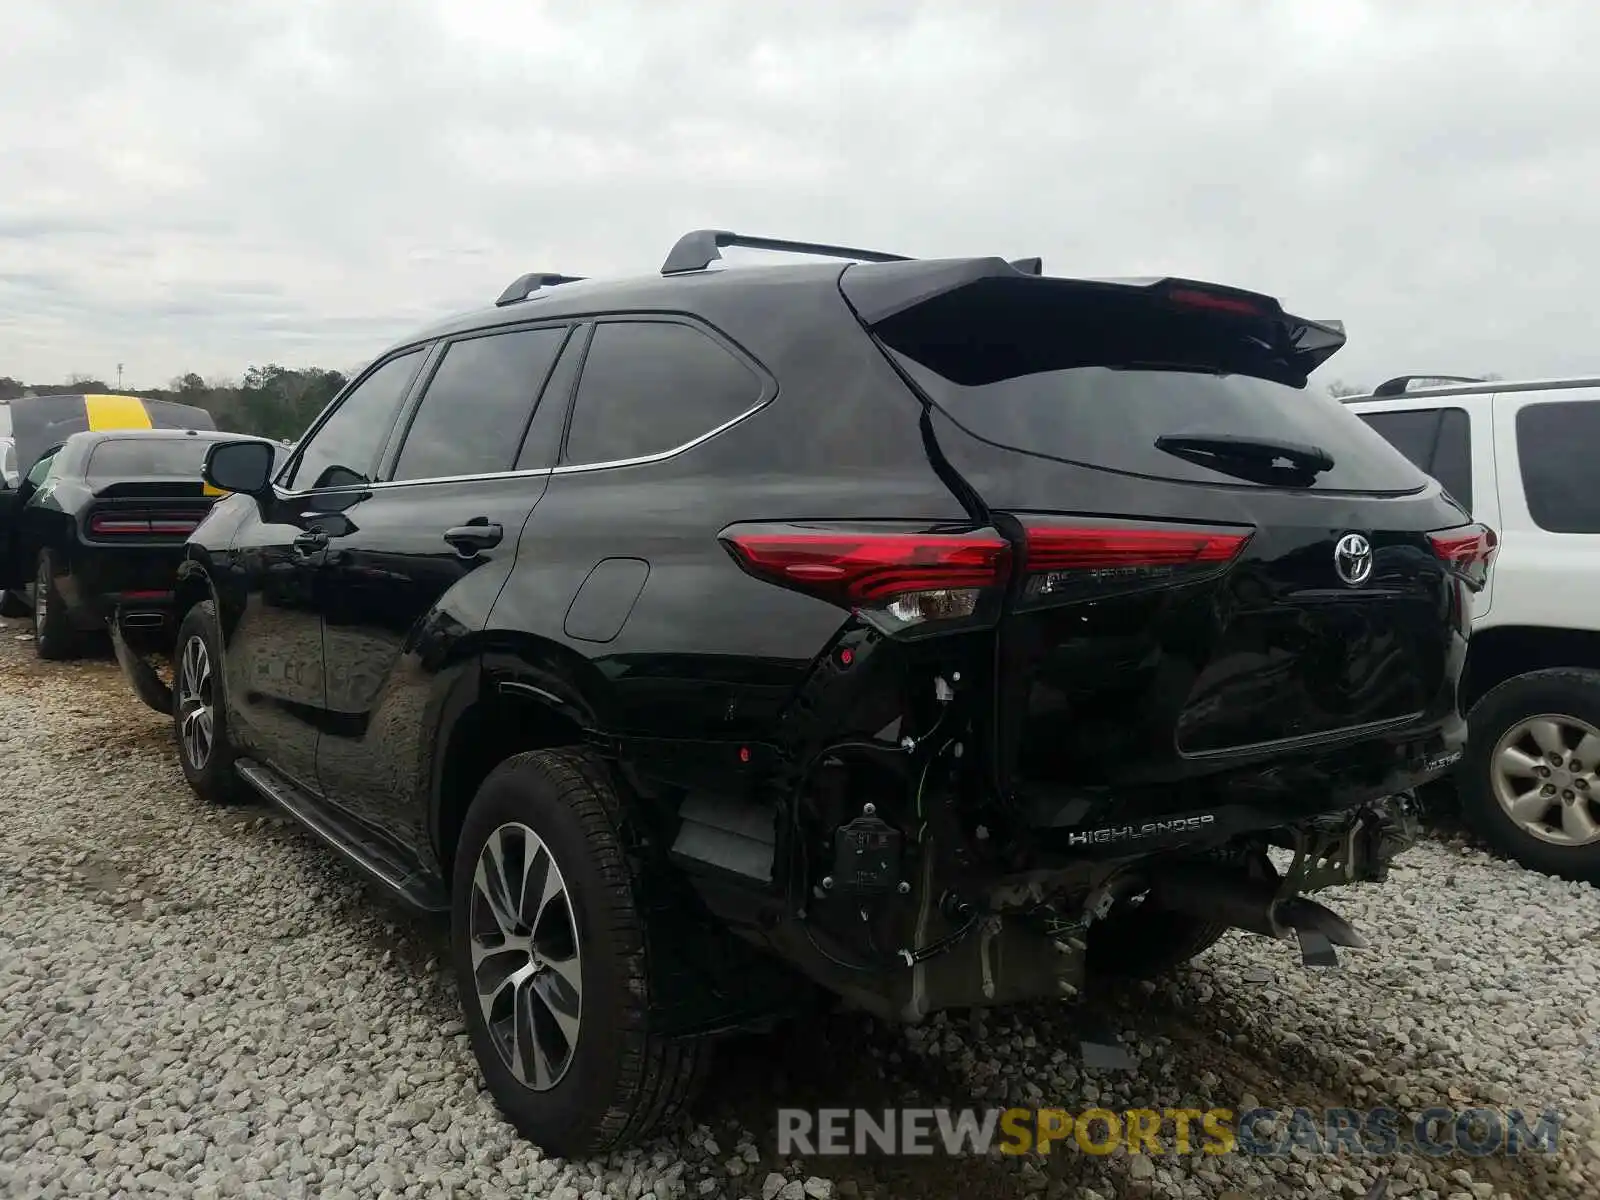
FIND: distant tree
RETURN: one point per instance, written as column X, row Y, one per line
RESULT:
column 1339, row 387
column 272, row 400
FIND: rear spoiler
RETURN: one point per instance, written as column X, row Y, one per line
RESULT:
column 992, row 302
column 154, row 489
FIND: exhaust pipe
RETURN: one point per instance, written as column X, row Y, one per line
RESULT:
column 143, row 620
column 1239, row 901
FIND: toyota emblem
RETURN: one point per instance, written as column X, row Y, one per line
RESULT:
column 1352, row 559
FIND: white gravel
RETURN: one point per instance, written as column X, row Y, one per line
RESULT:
column 207, row 1004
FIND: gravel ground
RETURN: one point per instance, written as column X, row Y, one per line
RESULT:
column 200, row 1003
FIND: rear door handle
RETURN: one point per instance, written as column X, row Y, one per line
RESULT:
column 470, row 538
column 311, row 539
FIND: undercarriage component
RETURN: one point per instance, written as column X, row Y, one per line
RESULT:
column 866, row 856
column 1227, row 896
column 727, row 836
column 1341, row 850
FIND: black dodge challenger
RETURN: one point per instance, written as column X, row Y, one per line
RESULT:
column 101, row 527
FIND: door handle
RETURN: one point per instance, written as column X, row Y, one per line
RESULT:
column 311, row 539
column 470, row 538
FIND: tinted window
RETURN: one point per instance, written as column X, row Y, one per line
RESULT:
column 42, row 468
column 136, row 458
column 1452, row 455
column 471, row 418
column 541, row 448
column 1438, row 440
column 650, row 387
column 1111, row 417
column 345, row 447
column 1555, row 445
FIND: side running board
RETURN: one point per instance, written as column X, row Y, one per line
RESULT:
column 411, row 887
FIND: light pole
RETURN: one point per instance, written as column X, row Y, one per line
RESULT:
column 119, row 377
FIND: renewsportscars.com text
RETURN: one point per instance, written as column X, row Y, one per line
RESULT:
column 1261, row 1132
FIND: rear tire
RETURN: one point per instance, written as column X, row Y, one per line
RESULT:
column 1549, row 822
column 593, row 1076
column 54, row 638
column 199, row 711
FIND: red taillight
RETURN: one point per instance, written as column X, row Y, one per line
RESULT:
column 906, row 578
column 1085, row 561
column 1217, row 302
column 1467, row 551
column 106, row 525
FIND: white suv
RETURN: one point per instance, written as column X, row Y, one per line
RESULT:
column 1524, row 458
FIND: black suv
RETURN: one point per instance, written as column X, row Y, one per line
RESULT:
column 940, row 631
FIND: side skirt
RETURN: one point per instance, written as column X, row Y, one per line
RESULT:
column 417, row 890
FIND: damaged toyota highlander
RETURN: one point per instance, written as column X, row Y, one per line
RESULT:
column 941, row 632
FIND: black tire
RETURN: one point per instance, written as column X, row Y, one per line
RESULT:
column 1141, row 942
column 213, row 779
column 619, row 1080
column 1563, row 691
column 14, row 604
column 54, row 638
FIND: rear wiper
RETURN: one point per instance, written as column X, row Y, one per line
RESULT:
column 1269, row 453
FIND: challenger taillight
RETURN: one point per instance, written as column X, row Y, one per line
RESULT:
column 111, row 526
column 896, row 578
column 1086, row 561
column 1467, row 551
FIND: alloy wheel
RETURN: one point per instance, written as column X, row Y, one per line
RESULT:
column 1543, row 775
column 526, row 963
column 195, row 717
column 41, row 601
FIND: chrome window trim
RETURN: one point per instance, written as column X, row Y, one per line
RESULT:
column 572, row 469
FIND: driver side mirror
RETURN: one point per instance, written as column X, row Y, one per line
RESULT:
column 239, row 467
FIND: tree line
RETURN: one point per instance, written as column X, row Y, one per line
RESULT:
column 271, row 401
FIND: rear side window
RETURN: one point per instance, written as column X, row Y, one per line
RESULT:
column 147, row 458
column 1555, row 447
column 652, row 386
column 472, row 416
column 1438, row 440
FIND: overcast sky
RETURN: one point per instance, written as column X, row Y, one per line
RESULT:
column 192, row 186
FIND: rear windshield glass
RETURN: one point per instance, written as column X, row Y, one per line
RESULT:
column 1094, row 374
column 148, row 458
column 1111, row 418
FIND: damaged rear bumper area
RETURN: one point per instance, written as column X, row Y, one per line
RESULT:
column 1025, row 938
column 139, row 634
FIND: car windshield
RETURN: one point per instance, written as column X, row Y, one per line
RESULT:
column 148, row 458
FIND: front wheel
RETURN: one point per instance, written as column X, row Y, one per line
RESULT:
column 199, row 716
column 1528, row 782
column 548, row 942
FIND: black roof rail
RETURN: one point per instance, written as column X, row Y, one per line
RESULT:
column 525, row 285
column 1400, row 384
column 699, row 248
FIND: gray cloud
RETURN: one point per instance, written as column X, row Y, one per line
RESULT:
column 204, row 186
